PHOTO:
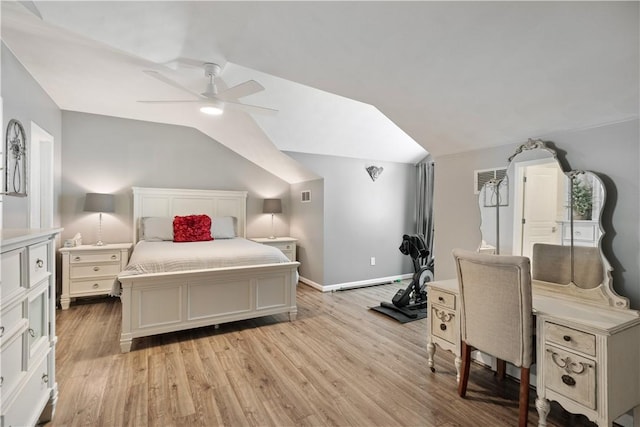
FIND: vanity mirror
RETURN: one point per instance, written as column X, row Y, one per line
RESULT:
column 553, row 216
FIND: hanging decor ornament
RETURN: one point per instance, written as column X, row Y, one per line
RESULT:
column 15, row 173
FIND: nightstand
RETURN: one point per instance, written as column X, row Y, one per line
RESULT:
column 89, row 270
column 286, row 244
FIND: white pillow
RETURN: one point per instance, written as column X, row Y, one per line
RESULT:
column 155, row 229
column 223, row 227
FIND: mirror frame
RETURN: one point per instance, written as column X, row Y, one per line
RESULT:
column 604, row 294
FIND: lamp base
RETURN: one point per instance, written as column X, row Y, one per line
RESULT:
column 99, row 243
column 271, row 237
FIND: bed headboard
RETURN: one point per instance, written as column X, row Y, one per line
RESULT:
column 169, row 202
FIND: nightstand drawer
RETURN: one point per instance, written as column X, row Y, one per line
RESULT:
column 283, row 246
column 443, row 298
column 443, row 324
column 571, row 375
column 570, row 338
column 82, row 258
column 88, row 287
column 82, row 271
column 38, row 263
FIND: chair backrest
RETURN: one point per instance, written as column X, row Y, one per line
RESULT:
column 495, row 305
column 552, row 263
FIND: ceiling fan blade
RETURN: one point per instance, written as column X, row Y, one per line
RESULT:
column 250, row 108
column 238, row 91
column 167, row 80
column 176, row 101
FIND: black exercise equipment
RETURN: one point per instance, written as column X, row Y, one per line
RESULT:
column 413, row 300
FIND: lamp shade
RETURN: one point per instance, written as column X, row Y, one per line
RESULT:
column 98, row 202
column 272, row 206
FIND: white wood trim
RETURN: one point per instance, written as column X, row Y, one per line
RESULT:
column 357, row 284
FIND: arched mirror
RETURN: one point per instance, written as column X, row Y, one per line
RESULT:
column 553, row 217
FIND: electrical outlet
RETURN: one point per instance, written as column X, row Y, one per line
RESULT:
column 373, row 260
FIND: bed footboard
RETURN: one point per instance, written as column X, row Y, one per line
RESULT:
column 167, row 302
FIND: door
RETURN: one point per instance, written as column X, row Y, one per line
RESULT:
column 41, row 178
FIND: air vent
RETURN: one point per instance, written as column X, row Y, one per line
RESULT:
column 305, row 196
column 483, row 175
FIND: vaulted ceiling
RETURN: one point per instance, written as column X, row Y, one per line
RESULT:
column 372, row 80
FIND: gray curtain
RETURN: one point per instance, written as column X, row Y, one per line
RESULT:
column 424, row 202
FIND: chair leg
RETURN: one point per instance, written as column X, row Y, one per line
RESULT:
column 524, row 397
column 466, row 365
column 501, row 368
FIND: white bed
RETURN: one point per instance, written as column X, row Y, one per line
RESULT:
column 167, row 301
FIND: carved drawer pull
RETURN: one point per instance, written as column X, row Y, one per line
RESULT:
column 568, row 380
column 443, row 327
column 567, row 338
column 45, row 378
column 569, row 366
column 114, row 257
column 96, row 286
column 96, row 268
column 32, row 333
column 443, row 316
column 39, row 263
column 77, row 258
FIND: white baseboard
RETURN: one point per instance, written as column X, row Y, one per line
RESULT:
column 351, row 285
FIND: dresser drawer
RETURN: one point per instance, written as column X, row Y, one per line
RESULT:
column 585, row 232
column 88, row 257
column 444, row 299
column 89, row 287
column 12, row 365
column 11, row 319
column 571, row 375
column 38, row 263
column 575, row 340
column 443, row 324
column 25, row 411
column 13, row 277
column 101, row 270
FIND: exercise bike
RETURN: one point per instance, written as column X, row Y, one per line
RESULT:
column 413, row 299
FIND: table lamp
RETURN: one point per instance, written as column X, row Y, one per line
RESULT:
column 272, row 206
column 102, row 203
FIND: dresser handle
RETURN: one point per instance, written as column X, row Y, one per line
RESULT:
column 45, row 378
column 568, row 380
column 95, row 286
column 578, row 233
column 440, row 299
column 114, row 257
column 567, row 338
column 77, row 258
column 39, row 263
column 1, row 331
column 443, row 327
column 32, row 333
column 96, row 268
column 1, row 381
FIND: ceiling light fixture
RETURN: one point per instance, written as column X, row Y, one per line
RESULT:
column 212, row 110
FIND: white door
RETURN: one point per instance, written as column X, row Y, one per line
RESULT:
column 40, row 190
column 540, row 207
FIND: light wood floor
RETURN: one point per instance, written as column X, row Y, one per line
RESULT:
column 339, row 364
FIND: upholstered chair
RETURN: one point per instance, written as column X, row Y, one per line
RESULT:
column 496, row 314
column 552, row 263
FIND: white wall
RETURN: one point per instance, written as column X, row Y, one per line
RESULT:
column 307, row 225
column 107, row 154
column 611, row 151
column 26, row 101
column 362, row 218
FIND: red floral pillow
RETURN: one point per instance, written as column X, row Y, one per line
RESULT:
column 192, row 228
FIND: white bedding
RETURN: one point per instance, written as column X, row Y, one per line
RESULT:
column 167, row 256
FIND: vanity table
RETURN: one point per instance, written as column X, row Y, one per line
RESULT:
column 588, row 339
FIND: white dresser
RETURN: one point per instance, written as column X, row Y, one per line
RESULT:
column 588, row 356
column 89, row 270
column 28, row 389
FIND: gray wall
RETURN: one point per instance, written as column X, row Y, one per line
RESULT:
column 611, row 151
column 107, row 154
column 307, row 225
column 26, row 101
column 362, row 218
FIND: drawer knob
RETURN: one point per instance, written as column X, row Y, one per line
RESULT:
column 443, row 327
column 77, row 258
column 568, row 380
column 39, row 263
column 45, row 378
column 1, row 381
column 114, row 257
column 440, row 299
column 1, row 331
column 578, row 233
column 95, row 286
column 96, row 268
column 32, row 333
column 567, row 338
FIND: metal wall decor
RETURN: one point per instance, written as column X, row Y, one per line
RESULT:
column 374, row 171
column 15, row 160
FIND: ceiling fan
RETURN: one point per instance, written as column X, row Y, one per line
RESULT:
column 211, row 101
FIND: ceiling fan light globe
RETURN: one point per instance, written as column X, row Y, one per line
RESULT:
column 212, row 110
